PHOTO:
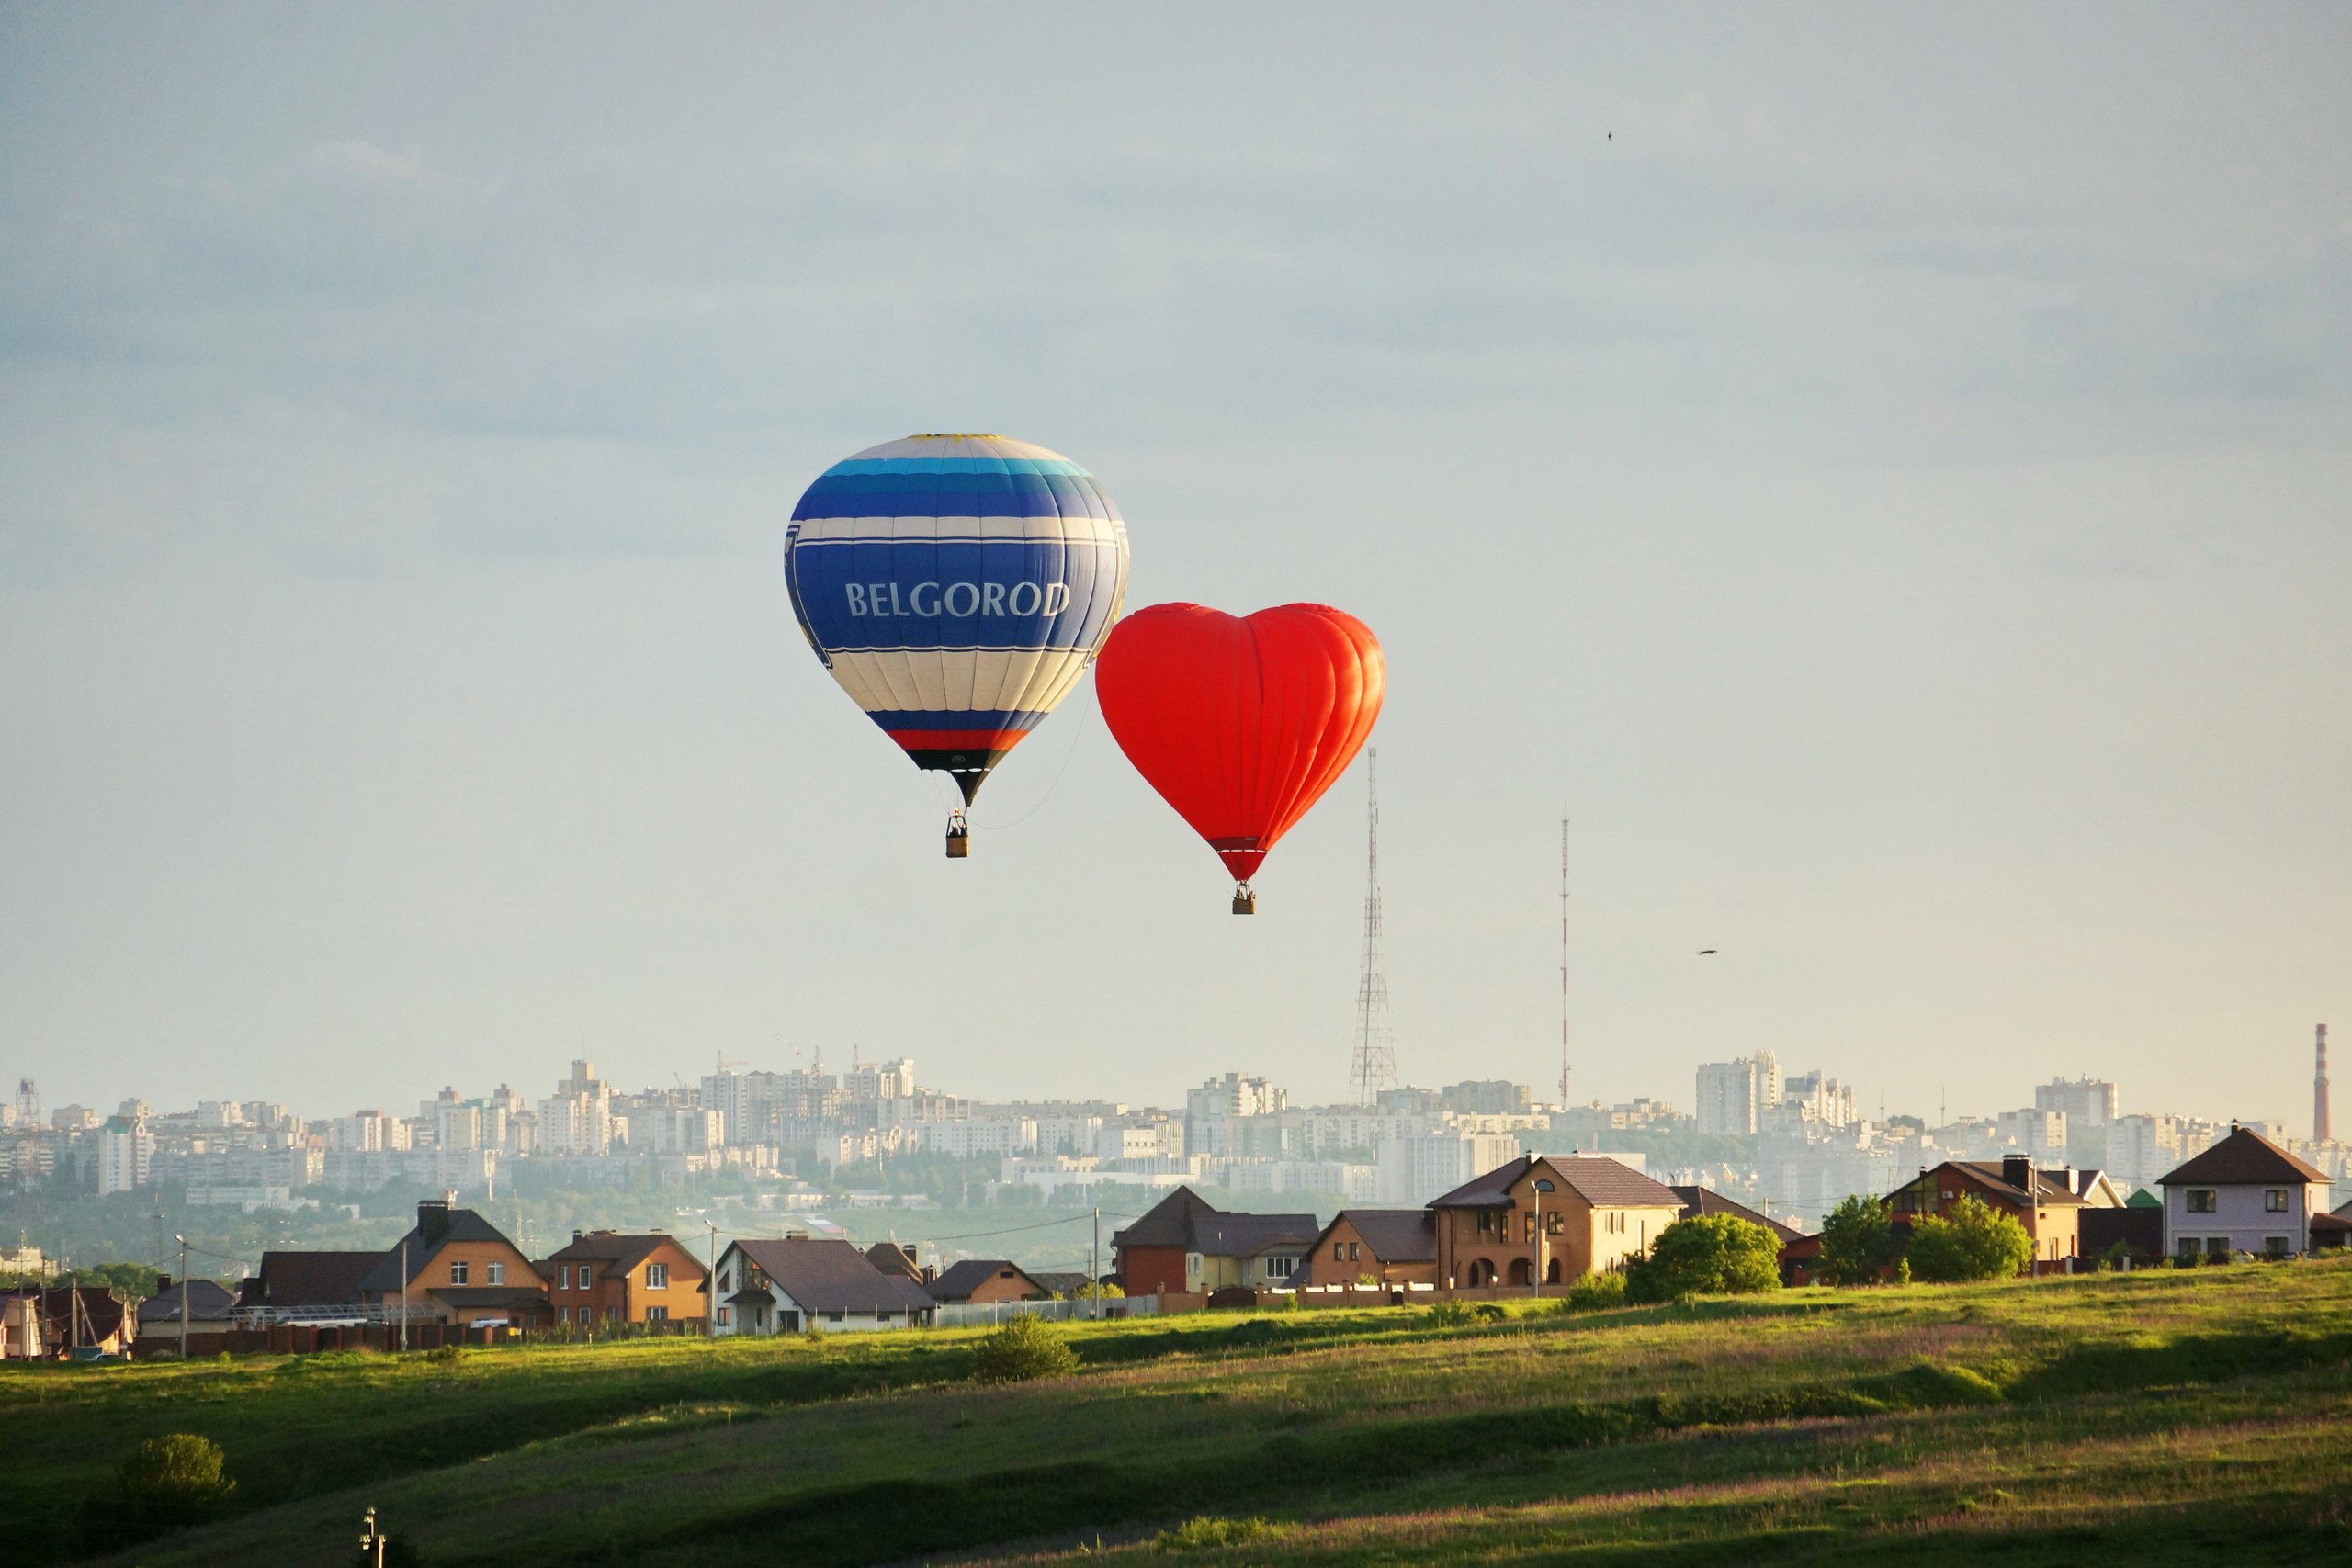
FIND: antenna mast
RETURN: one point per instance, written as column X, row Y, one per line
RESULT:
column 1563, row 963
column 1375, row 1059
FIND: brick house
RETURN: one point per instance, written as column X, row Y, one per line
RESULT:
column 1389, row 1247
column 1186, row 1244
column 1548, row 1219
column 456, row 1267
column 606, row 1279
column 2245, row 1194
column 985, row 1280
column 2042, row 1201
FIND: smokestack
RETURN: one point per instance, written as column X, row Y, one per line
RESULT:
column 2319, row 1091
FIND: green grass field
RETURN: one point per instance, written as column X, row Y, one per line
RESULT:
column 2189, row 1417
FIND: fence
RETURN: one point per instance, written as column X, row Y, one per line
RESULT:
column 988, row 1314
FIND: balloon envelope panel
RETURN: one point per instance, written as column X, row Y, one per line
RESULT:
column 956, row 586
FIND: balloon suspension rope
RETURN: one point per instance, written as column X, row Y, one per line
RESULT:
column 1076, row 730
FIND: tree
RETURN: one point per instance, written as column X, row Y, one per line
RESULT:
column 1974, row 1242
column 1706, row 1255
column 1856, row 1241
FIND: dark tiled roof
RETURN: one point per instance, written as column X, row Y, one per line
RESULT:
column 833, row 1276
column 1706, row 1200
column 1246, row 1236
column 1395, row 1236
column 1603, row 1183
column 1491, row 1191
column 206, row 1300
column 308, row 1278
column 958, row 1284
column 2049, row 1189
column 2245, row 1156
column 464, row 1224
column 2334, row 1225
column 1167, row 1223
column 1061, row 1284
column 619, row 1254
column 892, row 1259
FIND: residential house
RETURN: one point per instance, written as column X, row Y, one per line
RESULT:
column 2040, row 1201
column 1707, row 1200
column 1548, row 1218
column 307, row 1287
column 986, row 1279
column 2245, row 1194
column 211, row 1309
column 1185, row 1244
column 456, row 1268
column 1386, row 1246
column 68, row 1320
column 783, row 1287
column 606, row 1279
column 892, row 1259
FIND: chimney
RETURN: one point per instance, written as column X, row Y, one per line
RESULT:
column 432, row 1220
column 2320, row 1129
column 2018, row 1171
column 575, row 1235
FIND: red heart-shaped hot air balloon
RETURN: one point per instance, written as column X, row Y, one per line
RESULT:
column 1240, row 722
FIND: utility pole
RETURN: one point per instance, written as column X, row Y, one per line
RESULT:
column 184, row 1313
column 1094, row 1267
column 403, row 1292
column 710, row 1318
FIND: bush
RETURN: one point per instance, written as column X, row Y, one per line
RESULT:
column 1594, row 1292
column 1856, row 1241
column 445, row 1355
column 1706, row 1255
column 1974, row 1242
column 1208, row 1532
column 165, row 1483
column 1020, row 1348
column 1448, row 1315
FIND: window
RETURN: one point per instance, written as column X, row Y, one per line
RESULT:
column 1339, row 1252
column 458, row 1272
column 1487, row 1222
column 1529, row 1227
column 563, row 1276
column 657, row 1314
column 496, row 1274
column 2274, row 1202
column 612, row 1314
column 2200, row 1200
column 657, row 1276
column 2218, row 1246
column 2274, row 1246
column 2188, row 1247
column 1555, row 1224
column 726, row 1316
column 1280, row 1267
column 1355, row 1250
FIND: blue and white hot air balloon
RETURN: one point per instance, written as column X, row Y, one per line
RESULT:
column 956, row 586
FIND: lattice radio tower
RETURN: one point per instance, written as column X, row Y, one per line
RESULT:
column 1375, row 1059
column 1563, row 963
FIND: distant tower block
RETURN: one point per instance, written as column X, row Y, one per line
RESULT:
column 2319, row 1091
column 1374, row 1067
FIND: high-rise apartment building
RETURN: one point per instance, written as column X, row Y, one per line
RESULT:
column 1734, row 1096
column 2084, row 1103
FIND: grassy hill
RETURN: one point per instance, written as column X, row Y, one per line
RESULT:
column 2176, row 1416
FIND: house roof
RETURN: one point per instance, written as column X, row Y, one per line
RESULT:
column 1186, row 1221
column 2049, row 1189
column 1062, row 1283
column 308, row 1279
column 206, row 1300
column 620, row 1253
column 961, row 1279
column 1395, row 1236
column 832, row 1276
column 892, row 1259
column 1706, row 1200
column 1603, row 1183
column 2245, row 1156
column 1167, row 1223
column 464, row 1224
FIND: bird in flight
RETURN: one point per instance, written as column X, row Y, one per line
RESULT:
column 1706, row 953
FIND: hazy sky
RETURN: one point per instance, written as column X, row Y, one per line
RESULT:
column 1884, row 470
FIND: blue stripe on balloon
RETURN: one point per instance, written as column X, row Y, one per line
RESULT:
column 956, row 494
column 927, row 593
